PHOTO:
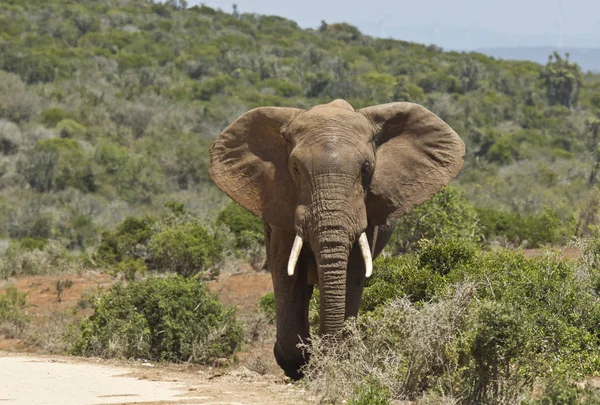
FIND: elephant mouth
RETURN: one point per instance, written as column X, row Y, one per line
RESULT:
column 363, row 244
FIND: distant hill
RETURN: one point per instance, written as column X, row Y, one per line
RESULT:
column 587, row 58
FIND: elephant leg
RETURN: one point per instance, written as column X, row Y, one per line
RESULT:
column 355, row 277
column 292, row 295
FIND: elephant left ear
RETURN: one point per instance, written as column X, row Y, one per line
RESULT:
column 417, row 154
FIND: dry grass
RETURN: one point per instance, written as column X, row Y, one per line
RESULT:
column 47, row 334
column 406, row 349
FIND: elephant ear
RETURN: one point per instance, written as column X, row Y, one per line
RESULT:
column 417, row 154
column 249, row 162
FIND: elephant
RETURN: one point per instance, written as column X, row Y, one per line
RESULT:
column 329, row 184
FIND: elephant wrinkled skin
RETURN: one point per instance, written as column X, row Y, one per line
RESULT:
column 322, row 180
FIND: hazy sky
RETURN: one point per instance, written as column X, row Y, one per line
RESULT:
column 461, row 24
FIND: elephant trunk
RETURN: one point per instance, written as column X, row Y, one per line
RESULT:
column 331, row 240
column 332, row 267
column 335, row 219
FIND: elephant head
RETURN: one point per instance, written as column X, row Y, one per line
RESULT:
column 324, row 175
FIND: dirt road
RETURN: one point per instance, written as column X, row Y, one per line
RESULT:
column 56, row 380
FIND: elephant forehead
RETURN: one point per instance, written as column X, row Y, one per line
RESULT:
column 323, row 122
column 331, row 153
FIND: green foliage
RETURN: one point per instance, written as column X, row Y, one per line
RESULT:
column 177, row 243
column 418, row 276
column 545, row 228
column 130, row 269
column 13, row 318
column 563, row 81
column 55, row 164
column 395, row 277
column 30, row 244
column 186, row 249
column 267, row 306
column 497, row 348
column 164, row 319
column 126, row 242
column 30, row 256
column 484, row 332
column 447, row 215
column 78, row 232
column 144, row 89
column 405, row 90
column 370, row 392
column 247, row 228
column 559, row 390
column 443, row 257
column 69, row 128
column 343, row 31
column 52, row 116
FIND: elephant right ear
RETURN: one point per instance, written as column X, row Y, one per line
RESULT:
column 417, row 154
column 249, row 162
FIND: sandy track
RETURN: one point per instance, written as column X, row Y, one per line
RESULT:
column 55, row 380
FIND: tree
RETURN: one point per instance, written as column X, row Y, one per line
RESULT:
column 562, row 80
column 594, row 131
column 470, row 75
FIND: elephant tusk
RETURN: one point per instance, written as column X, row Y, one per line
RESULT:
column 375, row 232
column 296, row 248
column 366, row 254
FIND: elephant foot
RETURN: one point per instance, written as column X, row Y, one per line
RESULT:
column 291, row 365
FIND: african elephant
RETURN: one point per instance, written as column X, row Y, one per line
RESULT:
column 329, row 184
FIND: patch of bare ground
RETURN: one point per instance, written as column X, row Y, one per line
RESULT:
column 571, row 252
column 252, row 377
column 69, row 380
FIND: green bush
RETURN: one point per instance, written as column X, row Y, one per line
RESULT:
column 544, row 228
column 370, row 392
column 55, row 164
column 395, row 277
column 186, row 249
column 78, row 232
column 130, row 269
column 444, row 256
column 418, row 276
column 267, row 306
column 52, row 116
column 129, row 241
column 483, row 330
column 69, row 128
column 29, row 244
column 34, row 257
column 247, row 228
column 13, row 319
column 496, row 350
column 560, row 391
column 447, row 215
column 163, row 319
column 176, row 243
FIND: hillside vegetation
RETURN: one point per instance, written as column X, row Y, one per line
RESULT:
column 107, row 108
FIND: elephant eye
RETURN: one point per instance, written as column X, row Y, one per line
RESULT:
column 366, row 171
column 366, row 168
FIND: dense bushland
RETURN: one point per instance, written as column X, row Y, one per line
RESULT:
column 465, row 325
column 107, row 109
